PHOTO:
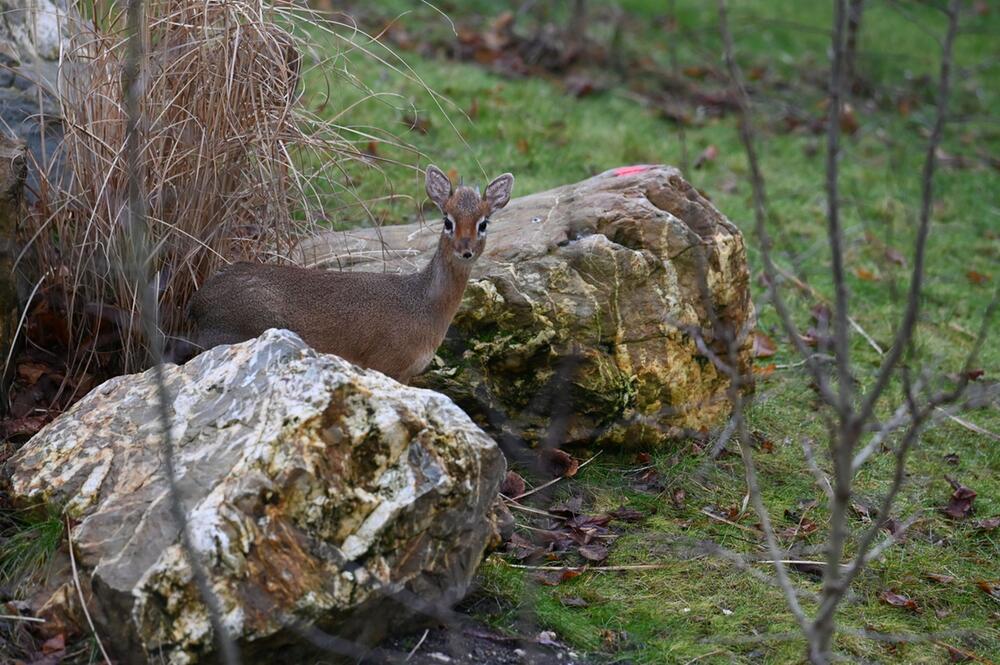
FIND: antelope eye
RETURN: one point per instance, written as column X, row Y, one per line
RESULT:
column 449, row 225
column 483, row 224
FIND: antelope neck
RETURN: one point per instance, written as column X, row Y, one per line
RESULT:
column 445, row 280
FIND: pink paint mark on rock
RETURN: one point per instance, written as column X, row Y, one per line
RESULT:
column 629, row 170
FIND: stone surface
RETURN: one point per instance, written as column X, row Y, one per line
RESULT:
column 597, row 282
column 13, row 167
column 316, row 492
column 32, row 35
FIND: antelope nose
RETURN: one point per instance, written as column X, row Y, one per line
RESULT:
column 466, row 254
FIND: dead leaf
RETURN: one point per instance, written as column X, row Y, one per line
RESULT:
column 707, row 155
column 557, row 577
column 764, row 371
column 626, row 514
column 473, row 111
column 976, row 277
column 763, row 346
column 523, row 146
column 848, row 120
column 990, row 588
column 939, row 578
column 513, row 485
column 695, row 72
column 988, row 524
column 54, row 645
column 899, row 600
column 558, row 463
column 678, row 497
column 865, row 275
column 415, row 122
column 960, row 505
column 893, row 255
column 593, row 552
column 573, row 601
column 644, row 458
column 975, row 374
column 372, row 148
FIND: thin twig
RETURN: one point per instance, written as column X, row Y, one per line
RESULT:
column 414, row 649
column 14, row 617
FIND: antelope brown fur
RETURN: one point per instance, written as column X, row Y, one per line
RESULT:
column 389, row 322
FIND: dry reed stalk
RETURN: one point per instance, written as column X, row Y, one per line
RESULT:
column 221, row 135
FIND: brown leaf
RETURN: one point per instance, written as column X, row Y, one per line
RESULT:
column 523, row 146
column 644, row 458
column 372, row 148
column 580, row 85
column 678, row 497
column 473, row 111
column 513, row 485
column 975, row 374
column 956, row 655
column 626, row 514
column 695, row 72
column 898, row 600
column 764, row 371
column 848, row 120
column 593, row 552
column 893, row 255
column 960, row 505
column 573, row 601
column 865, row 275
column 415, row 122
column 707, row 155
column 988, row 524
column 556, row 577
column 763, row 346
column 976, row 277
column 54, row 645
column 558, row 463
column 939, row 578
column 991, row 588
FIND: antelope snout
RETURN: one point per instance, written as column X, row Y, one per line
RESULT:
column 465, row 251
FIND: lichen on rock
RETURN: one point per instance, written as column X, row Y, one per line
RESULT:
column 315, row 492
column 594, row 288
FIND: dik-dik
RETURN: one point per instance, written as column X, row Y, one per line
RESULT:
column 389, row 322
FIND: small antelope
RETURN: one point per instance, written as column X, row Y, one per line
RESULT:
column 389, row 322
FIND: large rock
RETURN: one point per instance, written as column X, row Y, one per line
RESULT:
column 597, row 282
column 315, row 492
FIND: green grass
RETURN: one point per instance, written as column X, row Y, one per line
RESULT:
column 546, row 138
column 27, row 544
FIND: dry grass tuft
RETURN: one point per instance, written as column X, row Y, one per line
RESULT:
column 221, row 131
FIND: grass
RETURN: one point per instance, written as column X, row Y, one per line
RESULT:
column 546, row 137
column 27, row 543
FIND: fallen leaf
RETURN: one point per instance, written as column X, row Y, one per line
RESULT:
column 898, row 600
column 556, row 577
column 678, row 497
column 628, row 514
column 960, row 505
column 573, row 601
column 765, row 370
column 415, row 122
column 644, row 458
column 865, row 275
column 956, row 655
column 593, row 552
column 991, row 589
column 848, row 120
column 513, row 485
column 695, row 72
column 372, row 148
column 939, row 578
column 54, row 645
column 707, row 155
column 975, row 374
column 988, row 524
column 763, row 346
column 558, row 463
column 473, row 111
column 523, row 146
column 893, row 255
column 976, row 277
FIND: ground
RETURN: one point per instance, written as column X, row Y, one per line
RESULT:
column 557, row 127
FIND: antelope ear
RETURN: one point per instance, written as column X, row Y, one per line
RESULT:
column 438, row 186
column 498, row 192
